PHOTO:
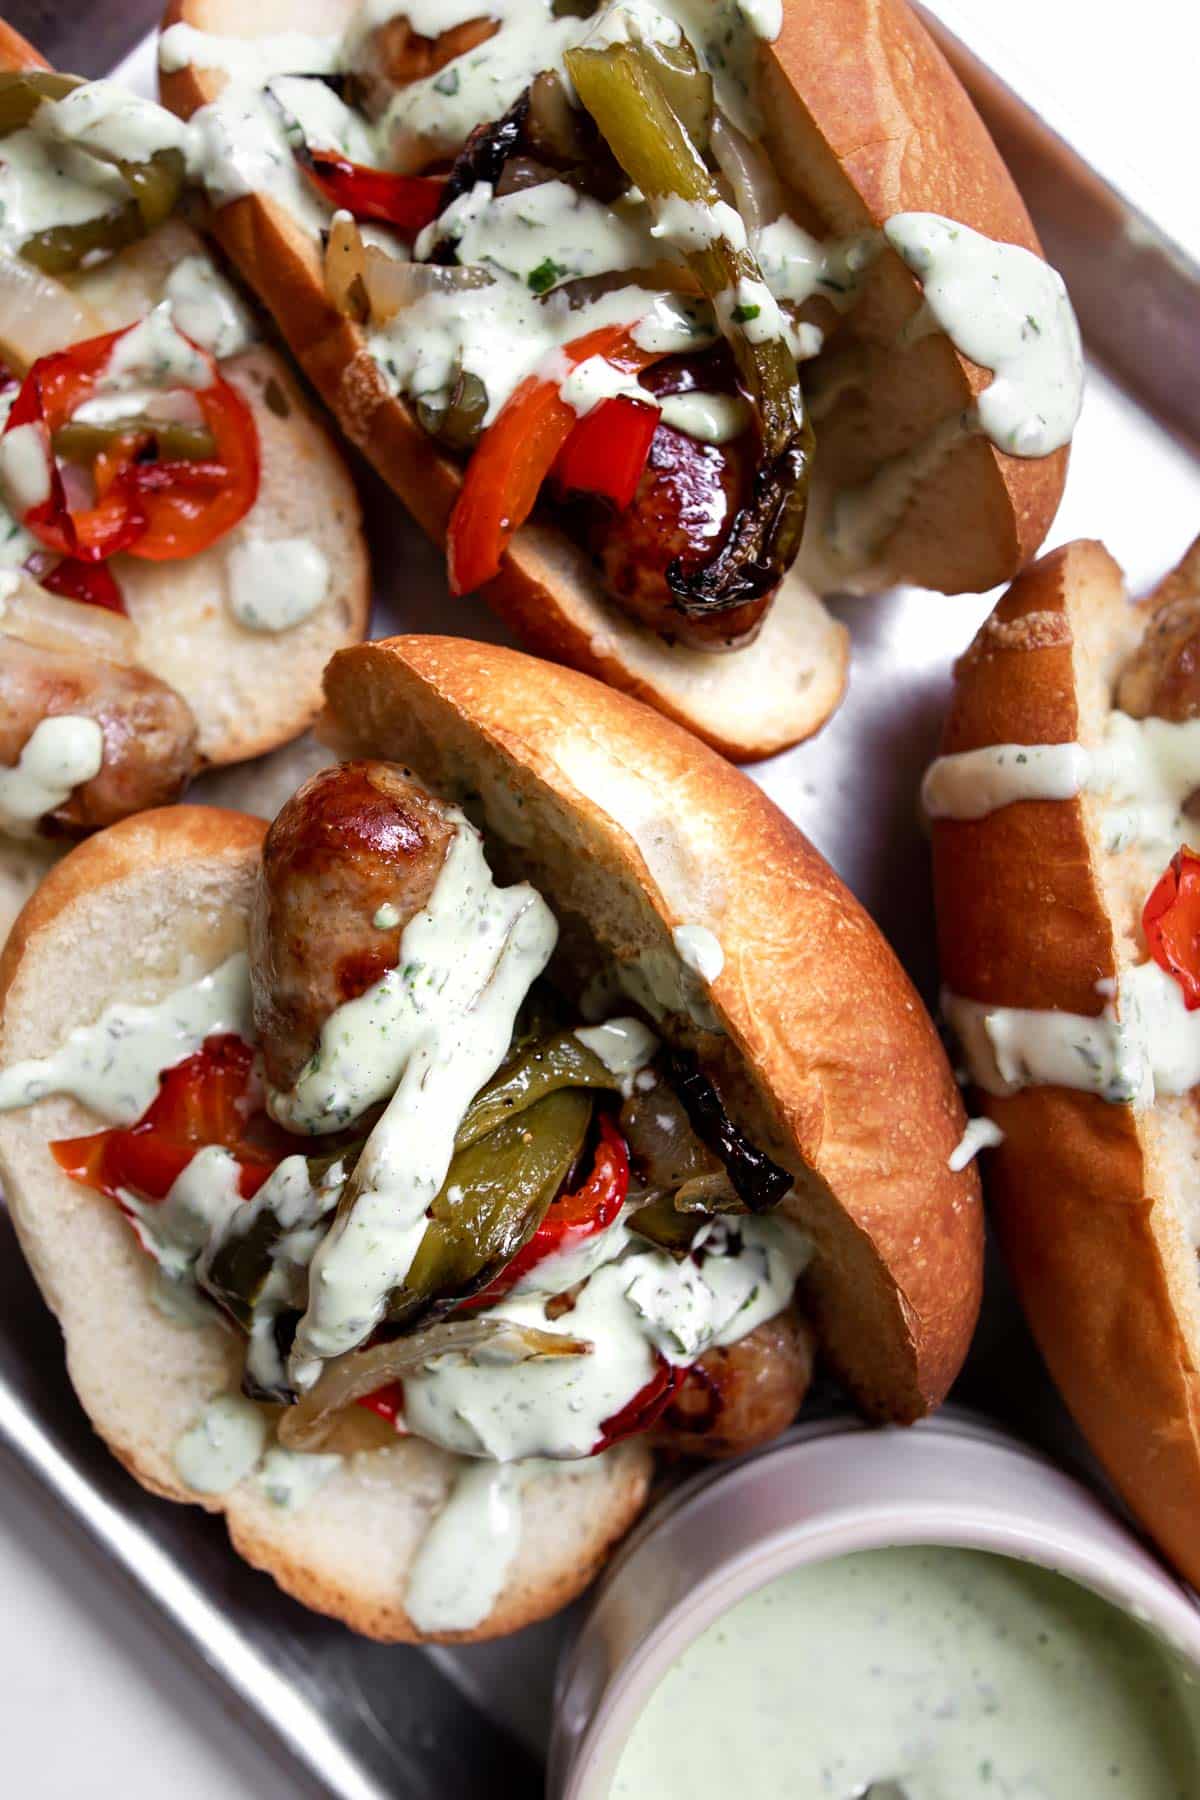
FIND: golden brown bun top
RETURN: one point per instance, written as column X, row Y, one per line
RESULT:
column 1006, row 933
column 628, row 824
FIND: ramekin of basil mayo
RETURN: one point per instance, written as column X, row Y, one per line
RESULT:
column 940, row 1609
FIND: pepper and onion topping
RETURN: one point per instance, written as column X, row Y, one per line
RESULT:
column 154, row 185
column 1171, row 923
column 521, row 447
column 544, row 1165
column 622, row 88
column 148, row 487
column 406, row 202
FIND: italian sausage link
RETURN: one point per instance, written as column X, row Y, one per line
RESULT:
column 149, row 731
column 351, row 858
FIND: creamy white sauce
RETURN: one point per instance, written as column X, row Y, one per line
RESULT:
column 425, row 1038
column 974, row 783
column 44, row 183
column 222, row 1445
column 207, row 309
column 463, row 1561
column 276, row 583
column 980, row 1134
column 661, row 983
column 466, row 1556
column 113, row 1066
column 154, row 353
column 200, row 1203
column 106, row 119
column 60, row 753
column 700, row 950
column 1145, row 1043
column 291, row 1478
column 709, row 418
column 623, row 1045
column 24, row 469
column 956, row 1674
column 596, row 379
column 386, row 917
column 239, row 145
column 797, row 266
column 688, row 225
column 542, row 236
column 250, row 59
column 1147, row 769
column 1008, row 311
column 630, row 1311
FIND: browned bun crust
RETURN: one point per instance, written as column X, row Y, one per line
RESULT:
column 629, row 825
column 1084, row 1194
column 17, row 52
column 122, row 917
column 870, row 120
column 867, row 118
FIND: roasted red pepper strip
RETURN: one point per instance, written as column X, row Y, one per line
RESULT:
column 156, row 510
column 644, row 1410
column 518, row 451
column 1171, row 922
column 409, row 202
column 607, row 451
column 201, row 1101
column 92, row 583
column 572, row 1218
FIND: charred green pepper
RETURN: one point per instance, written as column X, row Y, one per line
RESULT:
column 536, row 1068
column 494, row 1197
column 623, row 89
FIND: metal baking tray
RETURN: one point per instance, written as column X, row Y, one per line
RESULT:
column 363, row 1721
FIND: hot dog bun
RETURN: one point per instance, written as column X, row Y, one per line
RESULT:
column 1094, row 1201
column 117, row 919
column 630, row 828
column 249, row 690
column 865, row 119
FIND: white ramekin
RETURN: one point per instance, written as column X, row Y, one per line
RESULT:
column 822, row 1491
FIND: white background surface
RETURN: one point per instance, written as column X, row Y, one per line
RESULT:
column 94, row 1699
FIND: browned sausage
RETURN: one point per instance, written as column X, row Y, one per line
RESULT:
column 682, row 510
column 733, row 1399
column 352, row 839
column 149, row 731
column 1162, row 680
column 394, row 54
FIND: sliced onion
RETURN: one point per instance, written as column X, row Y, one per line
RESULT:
column 344, row 251
column 39, row 315
column 360, row 1372
column 363, row 281
column 756, row 187
column 53, row 623
column 392, row 285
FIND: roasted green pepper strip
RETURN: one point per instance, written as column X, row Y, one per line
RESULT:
column 22, row 92
column 236, row 1271
column 495, row 1196
column 621, row 88
column 533, row 1071
column 176, row 442
column 154, row 186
